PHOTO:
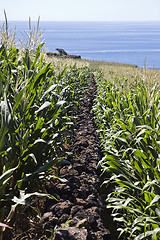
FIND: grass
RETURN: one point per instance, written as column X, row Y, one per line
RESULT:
column 39, row 98
column 127, row 116
column 111, row 70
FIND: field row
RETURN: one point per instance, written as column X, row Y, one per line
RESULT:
column 37, row 112
column 128, row 119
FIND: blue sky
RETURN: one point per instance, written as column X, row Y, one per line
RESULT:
column 82, row 10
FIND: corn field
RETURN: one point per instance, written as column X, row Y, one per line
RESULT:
column 38, row 106
column 37, row 113
column 128, row 121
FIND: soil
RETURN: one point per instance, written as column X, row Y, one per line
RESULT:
column 79, row 213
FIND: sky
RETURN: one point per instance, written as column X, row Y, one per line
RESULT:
column 81, row 10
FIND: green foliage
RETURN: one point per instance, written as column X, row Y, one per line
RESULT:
column 128, row 122
column 37, row 113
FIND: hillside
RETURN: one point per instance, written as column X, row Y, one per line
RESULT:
column 110, row 70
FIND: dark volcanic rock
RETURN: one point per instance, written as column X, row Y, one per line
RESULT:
column 62, row 53
column 71, row 233
column 80, row 206
column 62, row 207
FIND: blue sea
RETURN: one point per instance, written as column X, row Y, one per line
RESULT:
column 135, row 43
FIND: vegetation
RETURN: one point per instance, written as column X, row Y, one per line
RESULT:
column 37, row 112
column 127, row 116
column 39, row 97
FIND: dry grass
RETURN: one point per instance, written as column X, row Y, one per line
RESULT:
column 60, row 62
column 111, row 70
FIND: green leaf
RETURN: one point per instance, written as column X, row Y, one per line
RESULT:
column 33, row 157
column 46, row 166
column 60, row 103
column 40, row 123
column 22, row 200
column 6, row 112
column 18, row 99
column 38, row 51
column 49, row 90
column 144, row 236
column 6, row 176
column 157, row 210
column 155, row 233
column 154, row 201
column 4, row 179
column 146, row 127
column 27, row 60
column 63, row 162
column 128, row 185
column 41, row 75
column 39, row 141
column 44, row 106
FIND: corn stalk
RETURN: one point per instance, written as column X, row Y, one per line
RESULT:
column 129, row 125
column 37, row 114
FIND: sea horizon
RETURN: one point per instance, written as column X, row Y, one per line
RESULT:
column 129, row 42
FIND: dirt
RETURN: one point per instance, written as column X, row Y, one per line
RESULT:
column 79, row 214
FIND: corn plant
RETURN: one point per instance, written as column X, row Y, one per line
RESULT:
column 128, row 121
column 7, row 36
column 32, row 38
column 37, row 113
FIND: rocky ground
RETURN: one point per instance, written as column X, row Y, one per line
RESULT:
column 79, row 213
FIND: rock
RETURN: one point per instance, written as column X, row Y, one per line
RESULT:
column 49, row 221
column 74, row 56
column 80, row 209
column 83, row 223
column 64, row 218
column 61, row 52
column 63, row 187
column 99, row 235
column 46, row 216
column 75, row 181
column 75, row 209
column 79, row 168
column 51, row 54
column 92, row 200
column 80, row 201
column 61, row 208
column 70, row 233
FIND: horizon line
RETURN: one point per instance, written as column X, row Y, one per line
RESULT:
column 17, row 20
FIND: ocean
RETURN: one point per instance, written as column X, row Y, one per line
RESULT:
column 136, row 43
